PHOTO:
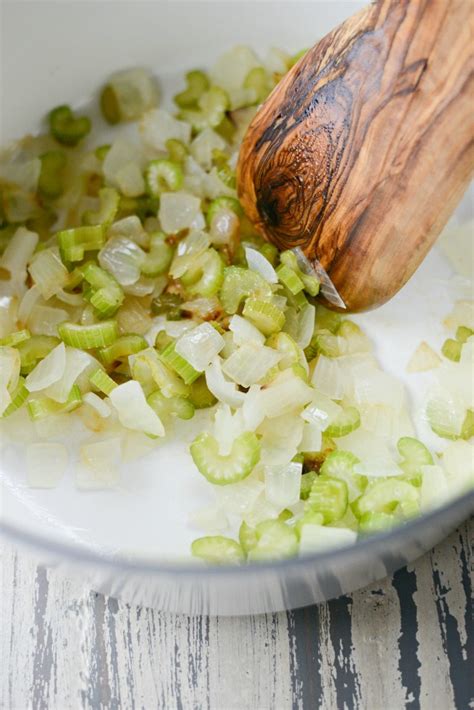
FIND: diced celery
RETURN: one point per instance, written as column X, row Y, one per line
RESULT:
column 218, row 550
column 88, row 337
column 66, row 128
column 240, row 283
column 222, row 470
column 177, row 363
column 346, row 421
column 267, row 317
column 329, row 497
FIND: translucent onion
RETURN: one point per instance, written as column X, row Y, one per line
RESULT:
column 200, row 345
column 221, row 388
column 285, row 394
column 133, row 316
column 311, row 439
column 281, row 437
column 321, row 411
column 48, row 272
column 239, row 498
column 100, row 464
column 97, row 403
column 203, row 308
column 131, row 228
column 188, row 250
column 250, row 363
column 44, row 320
column 45, row 464
column 130, row 181
column 9, row 374
column 47, row 371
column 224, row 227
column 158, row 126
column 232, row 67
column 133, row 410
column 76, row 362
column 202, row 146
column 18, row 253
column 123, row 258
column 257, row 262
column 424, row 358
column 318, row 538
column 180, row 210
column 282, row 484
column 227, row 427
column 329, row 378
column 244, row 331
column 8, row 314
column 121, row 154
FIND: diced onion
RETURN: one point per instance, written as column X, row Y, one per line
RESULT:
column 121, row 154
column 130, row 228
column 18, row 253
column 123, row 259
column 44, row 320
column 100, row 461
column 48, row 371
column 97, row 403
column 188, row 250
column 45, row 464
column 250, row 363
column 130, row 181
column 311, row 440
column 134, row 411
column 202, row 146
column 286, row 393
column 27, row 304
column 48, row 272
column 227, row 427
column 318, row 538
column 76, row 361
column 259, row 263
column 180, row 210
column 244, row 331
column 282, row 484
column 199, row 346
column 221, row 388
column 232, row 67
column 238, row 498
column 424, row 358
column 158, row 126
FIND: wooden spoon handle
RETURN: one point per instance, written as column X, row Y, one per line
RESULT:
column 362, row 151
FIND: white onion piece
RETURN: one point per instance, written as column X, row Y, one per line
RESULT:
column 27, row 304
column 285, row 394
column 18, row 253
column 227, row 427
column 259, row 263
column 177, row 328
column 305, row 332
column 321, row 411
column 9, row 374
column 224, row 227
column 143, row 287
column 44, row 320
column 252, row 410
column 328, row 377
column 48, row 272
column 8, row 314
column 283, row 484
column 244, row 331
column 180, row 210
column 261, row 510
column 158, row 325
column 97, row 403
column 435, row 489
column 100, row 464
column 210, row 519
column 213, row 186
column 377, row 387
column 202, row 146
column 199, row 346
column 45, row 464
column 311, row 439
column 72, row 299
column 238, row 498
column 48, row 371
column 131, row 228
column 20, row 170
column 458, row 459
column 76, row 361
column 462, row 314
column 134, row 411
column 202, row 307
column 424, row 358
column 130, row 181
column 158, row 126
column 135, row 91
column 318, row 538
column 121, row 153
column 232, row 67
column 377, row 457
column 221, row 388
column 188, row 249
column 123, row 259
column 281, row 437
column 250, row 363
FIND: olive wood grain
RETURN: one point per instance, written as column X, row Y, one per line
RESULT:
column 363, row 150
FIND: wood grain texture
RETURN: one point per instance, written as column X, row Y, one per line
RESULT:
column 404, row 642
column 365, row 147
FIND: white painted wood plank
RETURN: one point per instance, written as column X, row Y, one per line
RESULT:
column 64, row 647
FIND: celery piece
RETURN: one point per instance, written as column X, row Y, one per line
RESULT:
column 452, row 349
column 168, row 304
column 386, row 496
column 197, row 83
column 206, row 275
column 463, row 333
column 15, row 338
column 159, row 256
column 163, row 175
column 102, row 381
column 247, row 537
column 73, row 243
column 51, row 178
column 19, row 397
column 217, row 550
column 275, row 540
column 199, row 395
column 177, row 150
column 66, row 128
column 327, row 320
column 467, row 429
column 222, row 470
column 346, row 421
column 270, row 252
column 289, row 279
column 371, row 523
column 35, row 349
column 307, row 480
column 177, row 363
column 167, row 407
column 329, row 497
column 101, row 151
column 105, row 294
column 88, row 337
column 223, row 203
column 258, row 80
column 414, row 455
column 267, row 317
column 41, row 407
column 105, row 215
column 124, row 345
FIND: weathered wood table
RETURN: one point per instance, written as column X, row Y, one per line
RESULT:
column 403, row 642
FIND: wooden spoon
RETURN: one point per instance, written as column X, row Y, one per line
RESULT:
column 363, row 150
